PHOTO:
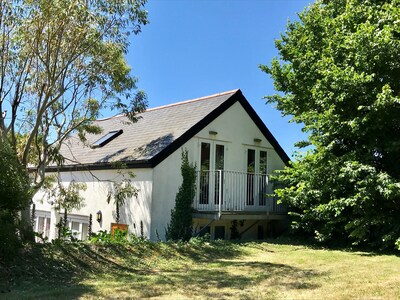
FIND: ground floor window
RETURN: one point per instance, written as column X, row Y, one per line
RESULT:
column 219, row 232
column 78, row 224
column 42, row 225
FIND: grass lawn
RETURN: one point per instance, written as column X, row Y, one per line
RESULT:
column 219, row 270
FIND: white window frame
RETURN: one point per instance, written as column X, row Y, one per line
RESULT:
column 81, row 220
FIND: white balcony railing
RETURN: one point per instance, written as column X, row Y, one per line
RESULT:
column 230, row 191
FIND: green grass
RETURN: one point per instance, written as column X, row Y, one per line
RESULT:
column 220, row 270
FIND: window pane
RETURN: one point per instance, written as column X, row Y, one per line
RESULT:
column 106, row 138
column 263, row 179
column 263, row 162
column 205, row 174
column 251, row 160
column 47, row 229
column 219, row 165
column 219, row 157
column 205, row 156
column 85, row 228
column 40, row 225
column 75, row 230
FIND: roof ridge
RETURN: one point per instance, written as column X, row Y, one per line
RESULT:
column 175, row 104
column 192, row 100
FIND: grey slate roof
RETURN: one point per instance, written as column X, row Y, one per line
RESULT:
column 157, row 129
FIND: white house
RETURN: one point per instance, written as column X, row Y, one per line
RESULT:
column 233, row 150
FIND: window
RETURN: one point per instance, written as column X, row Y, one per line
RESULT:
column 79, row 226
column 212, row 159
column 107, row 138
column 205, row 173
column 257, row 177
column 219, row 232
column 42, row 224
column 251, row 169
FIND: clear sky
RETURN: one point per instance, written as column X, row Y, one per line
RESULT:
column 195, row 48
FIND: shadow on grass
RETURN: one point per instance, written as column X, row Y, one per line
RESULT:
column 48, row 271
column 210, row 269
column 312, row 244
column 205, row 252
column 226, row 279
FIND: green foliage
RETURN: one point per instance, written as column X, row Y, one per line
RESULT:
column 119, row 237
column 122, row 188
column 123, row 191
column 64, row 233
column 62, row 62
column 15, row 193
column 339, row 74
column 200, row 240
column 102, row 236
column 90, row 225
column 181, row 224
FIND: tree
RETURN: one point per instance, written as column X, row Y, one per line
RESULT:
column 62, row 62
column 15, row 194
column 122, row 190
column 339, row 74
column 181, row 224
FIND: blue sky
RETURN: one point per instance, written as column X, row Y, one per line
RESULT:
column 195, row 48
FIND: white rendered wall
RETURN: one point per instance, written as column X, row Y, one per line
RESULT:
column 237, row 131
column 97, row 183
column 167, row 179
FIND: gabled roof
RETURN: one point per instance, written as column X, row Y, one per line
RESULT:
column 158, row 133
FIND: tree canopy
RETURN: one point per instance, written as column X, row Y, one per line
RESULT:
column 61, row 63
column 338, row 73
column 15, row 194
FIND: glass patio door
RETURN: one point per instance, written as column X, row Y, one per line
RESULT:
column 256, row 187
column 212, row 159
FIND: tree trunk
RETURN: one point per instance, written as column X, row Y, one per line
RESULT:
column 26, row 229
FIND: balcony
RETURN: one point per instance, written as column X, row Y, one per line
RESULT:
column 235, row 193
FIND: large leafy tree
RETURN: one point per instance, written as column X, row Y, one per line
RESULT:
column 15, row 193
column 338, row 73
column 61, row 62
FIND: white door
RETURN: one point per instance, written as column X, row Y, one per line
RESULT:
column 212, row 165
column 257, row 181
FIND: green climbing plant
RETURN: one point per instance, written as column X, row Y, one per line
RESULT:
column 181, row 225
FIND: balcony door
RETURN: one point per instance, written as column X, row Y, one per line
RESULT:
column 212, row 160
column 256, row 189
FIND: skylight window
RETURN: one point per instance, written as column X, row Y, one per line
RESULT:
column 106, row 138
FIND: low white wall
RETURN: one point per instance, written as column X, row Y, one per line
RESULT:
column 97, row 183
column 167, row 179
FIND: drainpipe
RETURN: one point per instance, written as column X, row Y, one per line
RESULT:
column 220, row 194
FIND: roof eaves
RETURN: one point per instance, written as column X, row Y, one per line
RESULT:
column 180, row 141
column 236, row 97
column 263, row 128
column 137, row 164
